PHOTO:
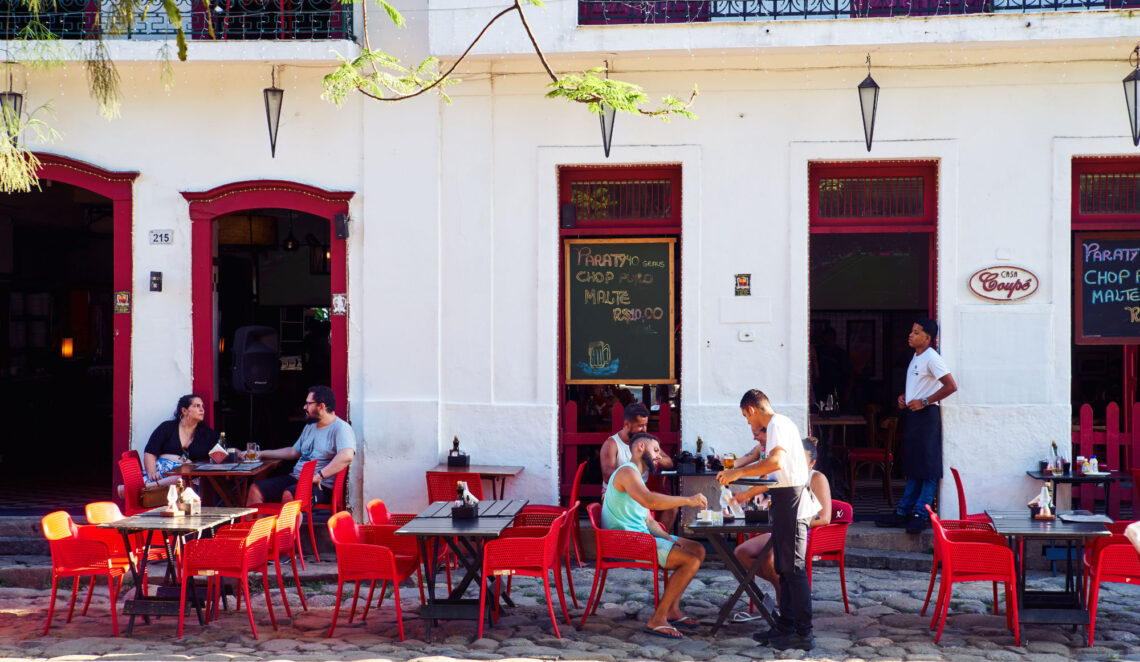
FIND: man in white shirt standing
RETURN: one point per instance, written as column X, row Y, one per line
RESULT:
column 791, row 511
column 928, row 381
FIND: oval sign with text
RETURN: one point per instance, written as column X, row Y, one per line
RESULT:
column 1003, row 283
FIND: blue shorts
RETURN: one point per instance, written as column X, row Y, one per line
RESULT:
column 663, row 547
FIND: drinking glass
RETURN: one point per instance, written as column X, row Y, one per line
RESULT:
column 729, row 461
column 252, row 452
column 1056, row 468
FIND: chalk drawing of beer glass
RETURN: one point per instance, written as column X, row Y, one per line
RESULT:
column 598, row 353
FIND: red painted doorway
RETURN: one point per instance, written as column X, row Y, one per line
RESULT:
column 249, row 199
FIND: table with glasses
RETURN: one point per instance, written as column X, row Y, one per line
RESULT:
column 174, row 530
column 220, row 478
column 1049, row 607
column 1104, row 479
column 715, row 533
column 465, row 538
column 498, row 475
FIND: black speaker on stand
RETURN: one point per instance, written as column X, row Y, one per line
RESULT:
column 256, row 363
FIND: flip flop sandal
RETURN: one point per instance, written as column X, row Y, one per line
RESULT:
column 745, row 617
column 687, row 622
column 660, row 632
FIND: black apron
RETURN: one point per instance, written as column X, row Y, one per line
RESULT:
column 922, row 444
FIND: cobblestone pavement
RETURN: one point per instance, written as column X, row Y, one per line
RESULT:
column 884, row 624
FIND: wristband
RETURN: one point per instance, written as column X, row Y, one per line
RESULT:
column 321, row 475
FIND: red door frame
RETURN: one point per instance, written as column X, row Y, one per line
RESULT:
column 205, row 207
column 568, row 436
column 119, row 187
column 1108, row 222
column 925, row 222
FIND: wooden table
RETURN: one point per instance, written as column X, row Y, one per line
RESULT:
column 843, row 421
column 1049, row 607
column 1105, row 479
column 219, row 477
column 165, row 602
column 465, row 538
column 715, row 533
column 496, row 474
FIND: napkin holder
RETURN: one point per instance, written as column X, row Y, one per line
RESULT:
column 457, row 458
column 756, row 516
column 191, row 507
column 466, row 511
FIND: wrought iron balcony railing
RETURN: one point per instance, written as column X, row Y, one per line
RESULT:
column 230, row 19
column 607, row 12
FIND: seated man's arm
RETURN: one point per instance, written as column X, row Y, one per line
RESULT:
column 656, row 529
column 629, row 481
column 1133, row 533
column 751, row 456
column 341, row 460
column 774, row 462
column 287, row 453
column 608, row 459
column 744, row 497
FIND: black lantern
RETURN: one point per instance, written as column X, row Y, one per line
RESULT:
column 12, row 105
column 290, row 244
column 869, row 103
column 1131, row 85
column 273, row 97
column 607, row 119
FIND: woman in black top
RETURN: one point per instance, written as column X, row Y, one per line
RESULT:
column 185, row 438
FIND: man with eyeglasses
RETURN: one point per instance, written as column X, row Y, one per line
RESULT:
column 326, row 438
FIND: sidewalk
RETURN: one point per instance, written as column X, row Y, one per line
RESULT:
column 884, row 625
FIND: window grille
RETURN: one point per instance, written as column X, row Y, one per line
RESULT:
column 1104, row 193
column 870, row 197
column 637, row 200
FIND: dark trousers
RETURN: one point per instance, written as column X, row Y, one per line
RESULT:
column 789, row 549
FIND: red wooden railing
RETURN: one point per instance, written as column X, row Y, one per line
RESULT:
column 1119, row 451
column 572, row 440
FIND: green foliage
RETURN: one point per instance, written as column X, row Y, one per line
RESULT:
column 103, row 80
column 597, row 92
column 381, row 76
column 18, row 166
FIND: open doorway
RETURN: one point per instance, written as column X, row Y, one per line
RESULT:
column 56, row 346
column 872, row 272
column 273, row 274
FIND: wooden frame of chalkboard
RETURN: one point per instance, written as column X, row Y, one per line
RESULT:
column 621, row 312
column 1111, row 328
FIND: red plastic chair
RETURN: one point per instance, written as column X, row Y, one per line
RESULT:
column 970, row 561
column 1114, row 560
column 962, row 513
column 619, row 549
column 338, row 501
column 305, row 496
column 358, row 560
column 441, row 485
column 829, row 543
column 529, row 557
column 283, row 544
column 378, row 514
column 76, row 553
column 575, row 524
column 131, row 470
column 229, row 557
column 536, row 525
column 961, row 530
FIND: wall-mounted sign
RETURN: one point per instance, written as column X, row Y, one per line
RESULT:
column 340, row 304
column 743, row 285
column 123, row 302
column 1003, row 283
column 163, row 237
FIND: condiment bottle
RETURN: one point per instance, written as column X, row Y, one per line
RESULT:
column 700, row 443
column 1093, row 466
column 459, row 493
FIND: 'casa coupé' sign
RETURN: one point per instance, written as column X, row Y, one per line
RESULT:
column 1003, row 283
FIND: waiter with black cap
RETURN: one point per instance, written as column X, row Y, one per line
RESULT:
column 928, row 381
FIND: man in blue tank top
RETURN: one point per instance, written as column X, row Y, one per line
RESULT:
column 627, row 505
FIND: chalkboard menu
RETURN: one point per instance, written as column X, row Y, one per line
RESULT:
column 1106, row 288
column 619, row 311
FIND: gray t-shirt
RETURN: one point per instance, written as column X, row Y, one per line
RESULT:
column 322, row 445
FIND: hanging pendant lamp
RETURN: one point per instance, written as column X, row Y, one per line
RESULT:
column 273, row 98
column 290, row 244
column 12, row 106
column 606, row 118
column 1132, row 94
column 868, row 104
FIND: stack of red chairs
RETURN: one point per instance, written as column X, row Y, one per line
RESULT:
column 359, row 558
column 961, row 530
column 84, row 552
column 229, row 557
column 963, row 514
column 972, row 561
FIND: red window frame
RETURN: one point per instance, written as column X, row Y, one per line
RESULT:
column 568, row 175
column 1102, row 166
column 927, row 221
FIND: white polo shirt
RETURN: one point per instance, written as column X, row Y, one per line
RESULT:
column 923, row 374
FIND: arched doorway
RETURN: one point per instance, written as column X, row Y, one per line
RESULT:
column 70, row 324
column 240, row 197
